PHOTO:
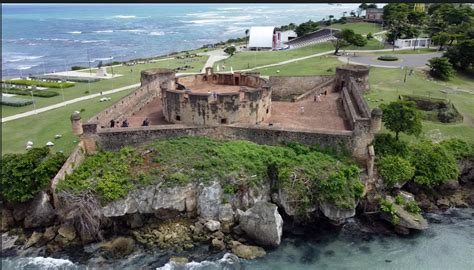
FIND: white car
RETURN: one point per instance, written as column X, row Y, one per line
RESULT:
column 104, row 99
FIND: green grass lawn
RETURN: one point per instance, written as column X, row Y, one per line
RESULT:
column 322, row 65
column 43, row 127
column 387, row 84
column 251, row 59
column 360, row 27
column 372, row 44
column 128, row 78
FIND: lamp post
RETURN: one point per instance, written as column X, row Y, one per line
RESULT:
column 34, row 105
column 112, row 66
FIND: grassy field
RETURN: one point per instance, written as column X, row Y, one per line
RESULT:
column 43, row 127
column 251, row 59
column 322, row 65
column 387, row 84
column 360, row 28
column 83, row 89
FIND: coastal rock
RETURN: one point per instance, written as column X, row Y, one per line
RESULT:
column 34, row 239
column 263, row 223
column 209, row 200
column 443, row 203
column 119, row 247
column 406, row 219
column 470, row 200
column 336, row 215
column 213, row 225
column 226, row 214
column 217, row 244
column 448, row 188
column 245, row 198
column 7, row 220
column 41, row 213
column 8, row 241
column 247, row 252
column 67, row 231
column 466, row 171
column 49, row 234
column 135, row 220
column 154, row 200
column 179, row 260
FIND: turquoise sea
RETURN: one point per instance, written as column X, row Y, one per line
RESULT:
column 42, row 38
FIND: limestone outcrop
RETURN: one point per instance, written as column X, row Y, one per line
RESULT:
column 39, row 212
column 336, row 215
column 263, row 224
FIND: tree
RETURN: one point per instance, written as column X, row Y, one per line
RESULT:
column 395, row 170
column 441, row 39
column 306, row 27
column 347, row 37
column 462, row 55
column 230, row 50
column 402, row 116
column 441, row 68
column 352, row 14
column 373, row 5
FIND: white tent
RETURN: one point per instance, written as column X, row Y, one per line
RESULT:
column 261, row 37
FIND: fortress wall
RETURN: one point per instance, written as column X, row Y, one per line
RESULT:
column 114, row 139
column 286, row 87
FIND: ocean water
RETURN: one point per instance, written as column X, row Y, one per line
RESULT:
column 53, row 37
column 447, row 244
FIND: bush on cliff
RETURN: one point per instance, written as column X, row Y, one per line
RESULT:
column 385, row 144
column 307, row 174
column 395, row 170
column 433, row 164
column 24, row 175
column 458, row 148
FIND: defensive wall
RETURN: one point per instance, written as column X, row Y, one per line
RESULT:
column 249, row 101
column 290, row 87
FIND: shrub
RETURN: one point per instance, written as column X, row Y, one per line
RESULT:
column 413, row 207
column 441, row 68
column 458, row 148
column 385, row 144
column 39, row 83
column 399, row 200
column 16, row 102
column 370, row 36
column 230, row 50
column 395, row 170
column 177, row 178
column 25, row 175
column 77, row 68
column 26, row 92
column 229, row 189
column 342, row 188
column 433, row 164
column 388, row 208
column 387, row 58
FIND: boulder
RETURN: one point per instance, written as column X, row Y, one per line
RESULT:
column 263, row 223
column 448, row 188
column 213, row 225
column 407, row 196
column 470, row 200
column 8, row 241
column 67, row 231
column 336, row 215
column 135, row 220
column 119, row 247
column 247, row 252
column 34, row 239
column 218, row 244
column 179, row 260
column 49, row 234
column 443, row 203
column 466, row 171
column 209, row 200
column 406, row 219
column 7, row 220
column 226, row 214
column 41, row 213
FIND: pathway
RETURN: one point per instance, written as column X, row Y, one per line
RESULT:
column 214, row 56
column 405, row 60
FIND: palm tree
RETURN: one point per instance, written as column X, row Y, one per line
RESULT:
column 247, row 35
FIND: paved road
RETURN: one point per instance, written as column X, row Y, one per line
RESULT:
column 214, row 56
column 405, row 60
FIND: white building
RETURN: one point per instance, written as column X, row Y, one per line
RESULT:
column 262, row 37
column 413, row 42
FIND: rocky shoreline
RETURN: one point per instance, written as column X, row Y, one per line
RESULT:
column 195, row 223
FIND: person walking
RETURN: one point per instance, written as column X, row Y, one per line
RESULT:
column 302, row 110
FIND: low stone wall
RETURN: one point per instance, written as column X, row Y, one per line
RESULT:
column 287, row 87
column 114, row 139
column 75, row 159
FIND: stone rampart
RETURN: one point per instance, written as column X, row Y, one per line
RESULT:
column 288, row 87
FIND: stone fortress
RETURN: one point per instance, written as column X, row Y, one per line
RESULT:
column 246, row 106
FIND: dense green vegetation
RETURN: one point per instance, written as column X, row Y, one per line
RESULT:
column 308, row 175
column 27, row 92
column 402, row 116
column 40, row 83
column 347, row 37
column 424, row 162
column 441, row 68
column 24, row 175
column 389, row 208
column 16, row 102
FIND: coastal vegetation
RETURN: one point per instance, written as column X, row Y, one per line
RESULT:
column 24, row 175
column 307, row 174
column 441, row 68
column 39, row 83
column 28, row 92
